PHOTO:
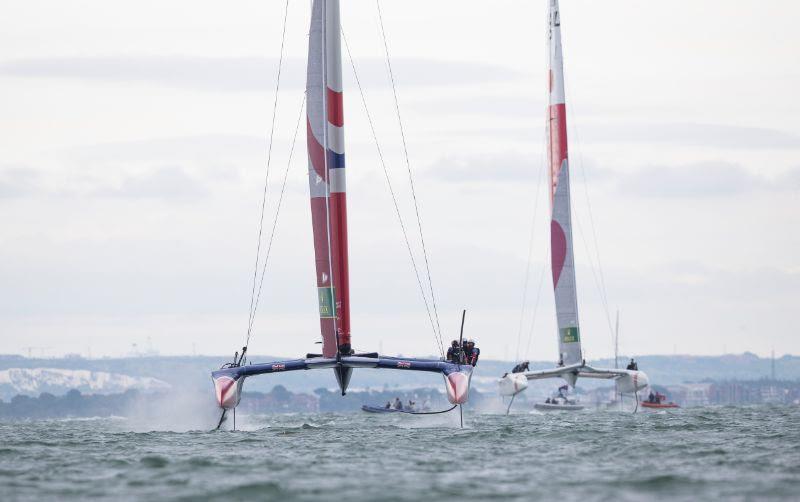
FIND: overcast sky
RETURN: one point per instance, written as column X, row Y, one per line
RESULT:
column 133, row 141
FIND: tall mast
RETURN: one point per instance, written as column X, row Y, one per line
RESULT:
column 562, row 259
column 326, row 175
column 616, row 342
column 772, row 365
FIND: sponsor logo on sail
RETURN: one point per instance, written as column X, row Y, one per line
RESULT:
column 326, row 305
column 570, row 335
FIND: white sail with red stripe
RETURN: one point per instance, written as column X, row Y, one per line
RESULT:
column 325, row 139
column 562, row 258
column 571, row 363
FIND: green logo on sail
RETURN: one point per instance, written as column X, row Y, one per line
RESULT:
column 327, row 307
column 570, row 335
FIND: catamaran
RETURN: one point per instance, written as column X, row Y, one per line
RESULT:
column 571, row 363
column 326, row 174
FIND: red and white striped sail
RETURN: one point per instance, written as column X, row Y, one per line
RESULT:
column 563, row 263
column 325, row 138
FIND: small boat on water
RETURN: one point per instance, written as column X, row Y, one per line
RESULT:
column 659, row 405
column 565, row 406
column 657, row 401
column 397, row 407
column 559, row 403
column 380, row 409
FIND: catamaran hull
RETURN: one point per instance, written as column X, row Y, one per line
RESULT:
column 512, row 384
column 632, row 382
column 228, row 381
column 228, row 390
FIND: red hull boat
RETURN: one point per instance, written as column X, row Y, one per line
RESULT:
column 659, row 405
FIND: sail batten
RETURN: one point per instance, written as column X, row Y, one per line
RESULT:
column 326, row 173
column 561, row 248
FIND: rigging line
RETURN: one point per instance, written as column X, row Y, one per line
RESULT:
column 545, row 168
column 536, row 305
column 592, row 227
column 437, row 338
column 594, row 272
column 432, row 412
column 544, row 157
column 598, row 283
column 530, row 247
column 266, row 175
column 408, row 167
column 603, row 289
column 277, row 212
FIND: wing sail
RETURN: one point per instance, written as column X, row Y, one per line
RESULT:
column 562, row 259
column 326, row 175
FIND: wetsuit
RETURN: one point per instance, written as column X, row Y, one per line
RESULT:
column 520, row 368
column 473, row 355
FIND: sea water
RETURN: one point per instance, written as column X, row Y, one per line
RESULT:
column 686, row 454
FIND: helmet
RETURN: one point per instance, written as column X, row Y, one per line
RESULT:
column 471, row 340
column 454, row 343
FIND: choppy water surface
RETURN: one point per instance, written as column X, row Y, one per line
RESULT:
column 740, row 453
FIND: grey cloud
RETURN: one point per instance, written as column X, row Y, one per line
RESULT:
column 510, row 167
column 243, row 73
column 708, row 282
column 165, row 182
column 702, row 180
column 717, row 136
column 18, row 182
column 693, row 134
column 204, row 148
column 497, row 168
column 482, row 105
column 168, row 182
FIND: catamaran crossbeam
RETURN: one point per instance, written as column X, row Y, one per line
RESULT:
column 228, row 381
column 627, row 381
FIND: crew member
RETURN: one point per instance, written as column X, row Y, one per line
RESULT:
column 633, row 366
column 453, row 352
column 398, row 405
column 521, row 367
column 651, row 398
column 472, row 353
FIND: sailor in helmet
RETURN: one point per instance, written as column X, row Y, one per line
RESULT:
column 453, row 352
column 472, row 353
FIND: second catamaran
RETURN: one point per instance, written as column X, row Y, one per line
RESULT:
column 571, row 364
